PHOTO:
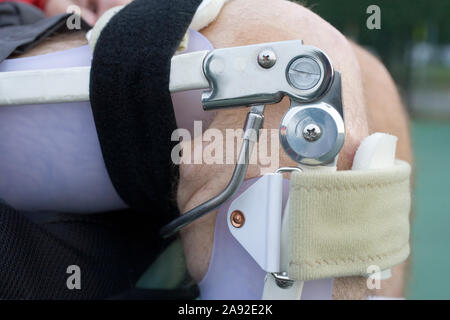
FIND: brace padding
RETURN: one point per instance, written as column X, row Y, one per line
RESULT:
column 340, row 223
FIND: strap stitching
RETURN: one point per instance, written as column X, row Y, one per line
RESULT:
column 346, row 260
column 347, row 187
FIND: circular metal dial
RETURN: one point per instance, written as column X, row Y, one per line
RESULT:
column 310, row 74
column 304, row 73
column 324, row 140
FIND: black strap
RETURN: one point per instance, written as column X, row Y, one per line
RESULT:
column 131, row 103
column 134, row 118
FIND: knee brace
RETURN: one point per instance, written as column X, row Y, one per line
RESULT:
column 335, row 224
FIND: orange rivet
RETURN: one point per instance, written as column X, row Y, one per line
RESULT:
column 237, row 219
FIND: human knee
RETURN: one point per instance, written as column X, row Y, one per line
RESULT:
column 257, row 21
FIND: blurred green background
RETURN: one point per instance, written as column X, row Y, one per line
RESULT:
column 414, row 44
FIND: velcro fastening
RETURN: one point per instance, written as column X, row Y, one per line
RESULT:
column 131, row 102
column 341, row 223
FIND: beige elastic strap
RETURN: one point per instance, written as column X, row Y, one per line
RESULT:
column 341, row 223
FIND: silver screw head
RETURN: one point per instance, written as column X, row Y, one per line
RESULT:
column 304, row 73
column 267, row 58
column 312, row 132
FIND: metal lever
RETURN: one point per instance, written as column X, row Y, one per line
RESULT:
column 314, row 133
column 311, row 132
column 253, row 124
column 240, row 76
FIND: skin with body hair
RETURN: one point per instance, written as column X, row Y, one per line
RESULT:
column 370, row 99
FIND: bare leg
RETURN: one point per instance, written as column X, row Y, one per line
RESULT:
column 256, row 21
column 371, row 103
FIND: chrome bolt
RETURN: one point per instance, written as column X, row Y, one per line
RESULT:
column 237, row 219
column 304, row 73
column 312, row 132
column 267, row 58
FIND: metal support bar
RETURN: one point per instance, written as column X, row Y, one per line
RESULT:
column 253, row 124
